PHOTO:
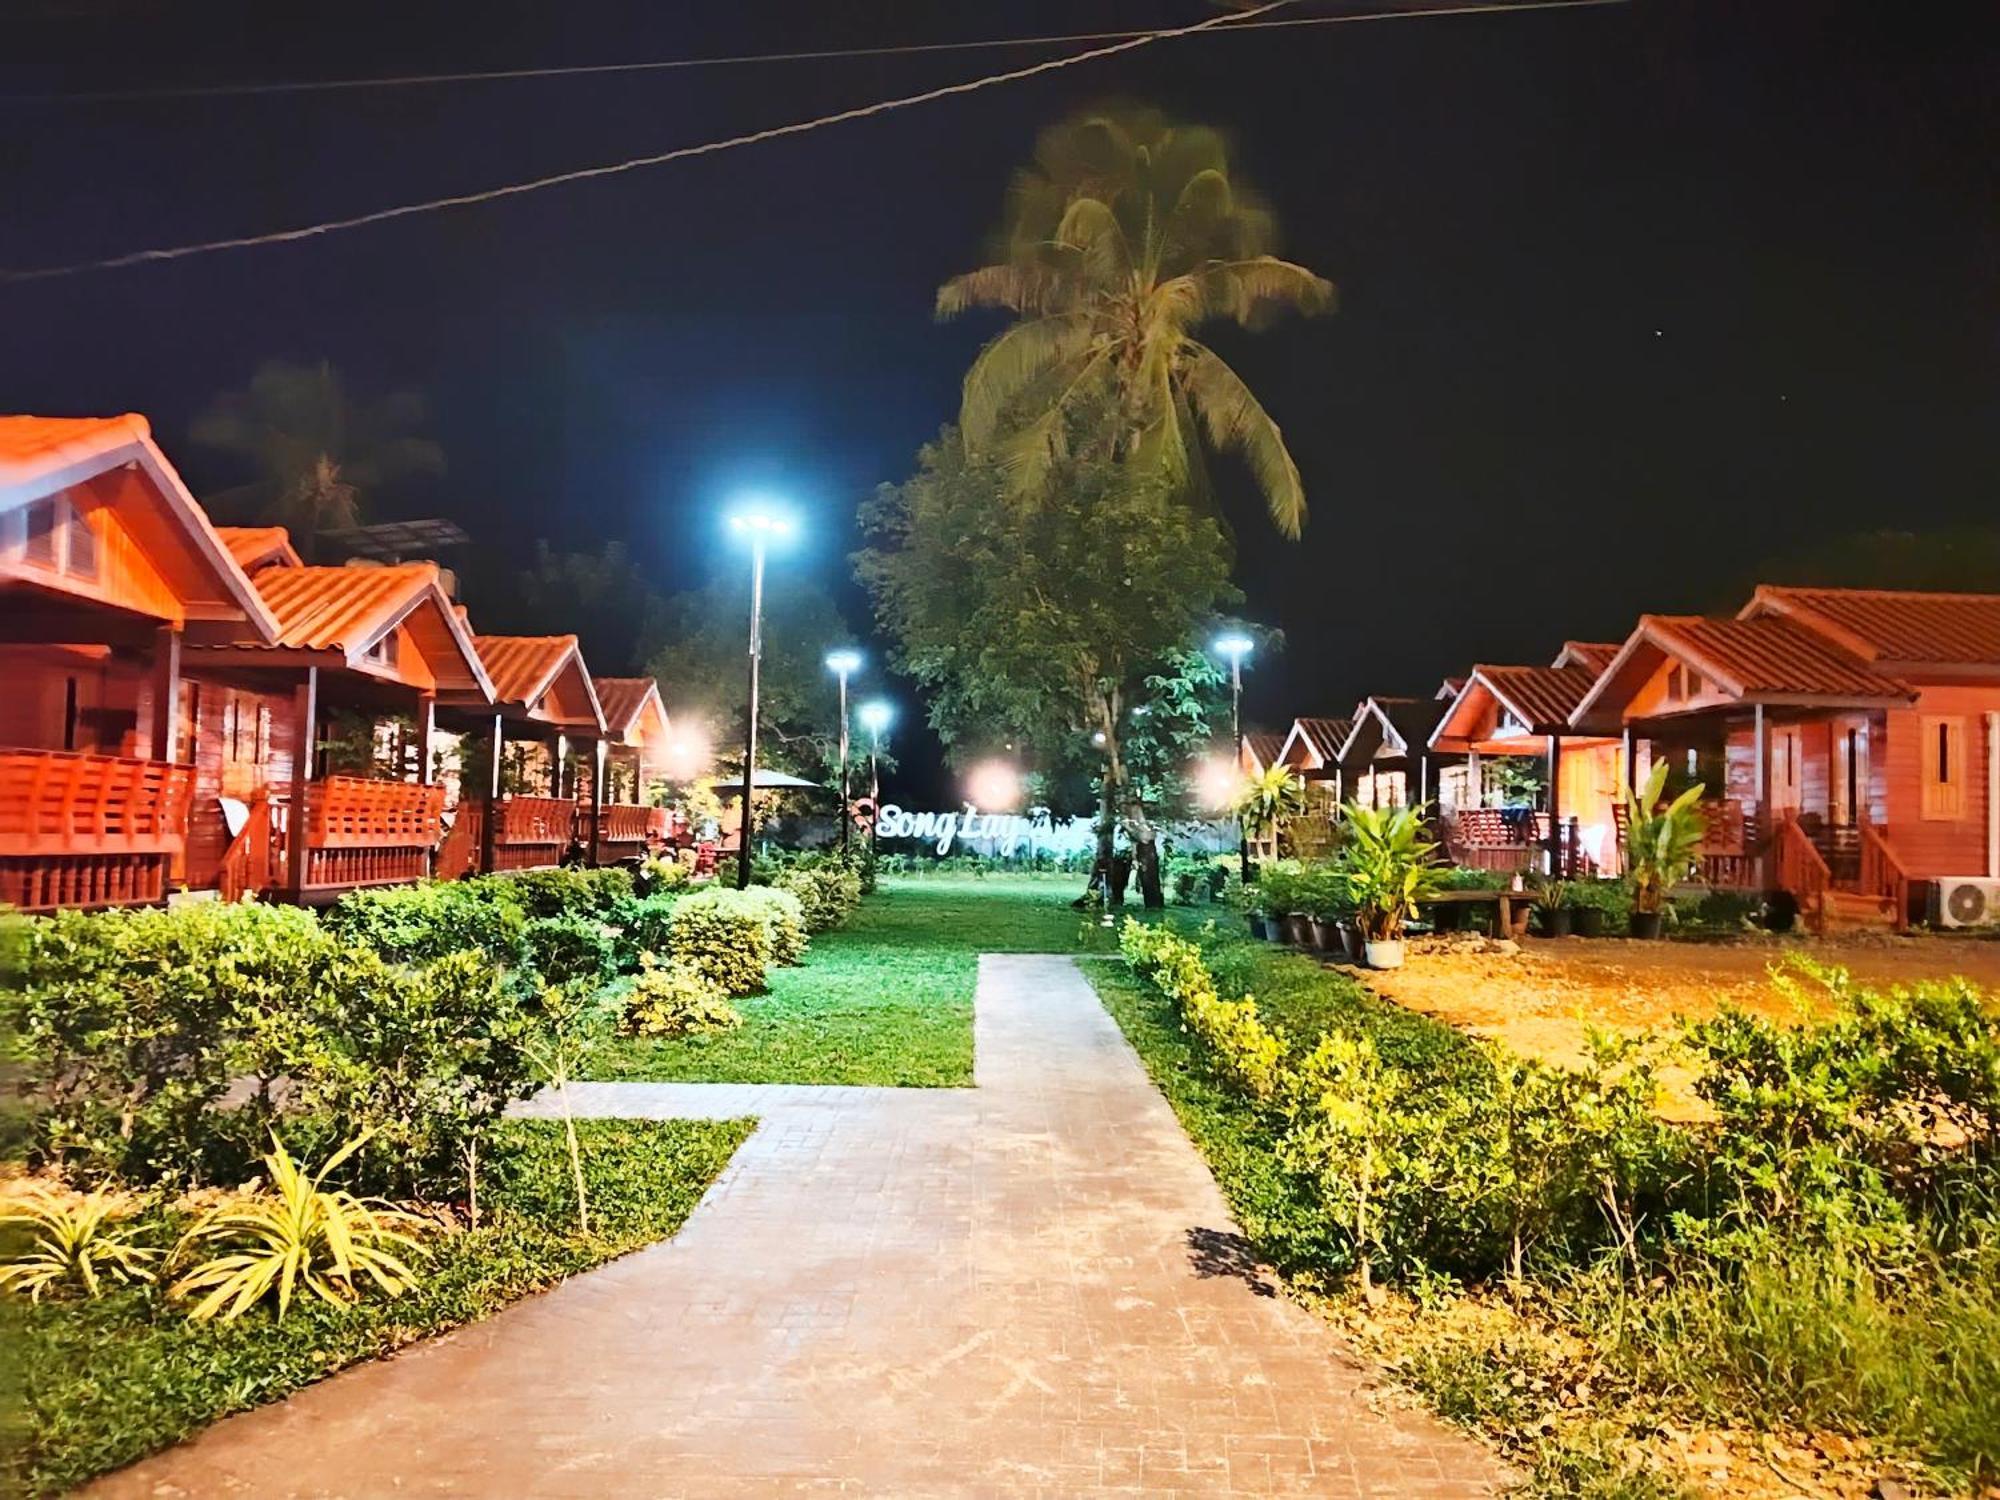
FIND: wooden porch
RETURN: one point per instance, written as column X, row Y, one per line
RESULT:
column 624, row 831
column 84, row 830
column 529, row 833
column 358, row 832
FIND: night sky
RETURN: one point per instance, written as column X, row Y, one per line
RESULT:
column 1632, row 298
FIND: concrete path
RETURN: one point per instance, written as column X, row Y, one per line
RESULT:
column 1031, row 1287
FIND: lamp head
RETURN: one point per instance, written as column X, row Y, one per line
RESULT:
column 843, row 662
column 1234, row 647
column 760, row 517
column 875, row 716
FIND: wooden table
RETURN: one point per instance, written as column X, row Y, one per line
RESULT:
column 1502, row 902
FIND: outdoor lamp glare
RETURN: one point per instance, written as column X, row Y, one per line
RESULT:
column 760, row 518
column 1234, row 647
column 762, row 522
column 875, row 717
column 993, row 786
column 843, row 663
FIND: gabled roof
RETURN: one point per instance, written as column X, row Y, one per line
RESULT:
column 349, row 610
column 1770, row 658
column 43, row 456
column 1449, row 689
column 1264, row 749
column 1593, row 655
column 527, row 670
column 624, row 700
column 1312, row 743
column 1893, row 627
column 1402, row 725
column 1539, row 699
column 256, row 547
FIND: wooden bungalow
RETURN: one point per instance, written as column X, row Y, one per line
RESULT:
column 1525, row 711
column 1849, row 739
column 631, row 756
column 108, row 568
column 1311, row 749
column 520, row 780
column 1387, row 760
column 313, row 751
column 1259, row 752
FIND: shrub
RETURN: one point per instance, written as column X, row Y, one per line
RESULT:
column 674, row 999
column 727, row 946
column 572, row 950
column 78, row 1242
column 780, row 913
column 131, row 1024
column 827, row 893
column 426, row 921
column 570, row 892
column 658, row 876
column 647, row 926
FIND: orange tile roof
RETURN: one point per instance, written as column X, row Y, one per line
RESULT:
column 1894, row 625
column 1596, row 655
column 1771, row 656
column 1543, row 698
column 1264, row 748
column 522, row 666
column 31, row 447
column 339, row 609
column 621, row 698
column 254, row 546
column 1323, row 737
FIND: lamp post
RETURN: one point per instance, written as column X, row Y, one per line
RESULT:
column 875, row 718
column 760, row 523
column 842, row 664
column 1235, row 648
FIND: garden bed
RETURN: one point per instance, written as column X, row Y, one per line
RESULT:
column 108, row 1381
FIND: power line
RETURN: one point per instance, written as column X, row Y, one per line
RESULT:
column 709, row 148
column 675, row 64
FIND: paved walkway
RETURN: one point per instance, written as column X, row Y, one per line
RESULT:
column 1031, row 1287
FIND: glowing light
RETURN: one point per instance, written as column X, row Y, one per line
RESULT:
column 760, row 516
column 875, row 717
column 1234, row 647
column 993, row 786
column 687, row 753
column 843, row 662
column 1216, row 783
column 1097, row 738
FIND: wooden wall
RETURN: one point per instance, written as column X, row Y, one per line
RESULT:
column 1933, row 847
column 113, row 696
column 227, row 761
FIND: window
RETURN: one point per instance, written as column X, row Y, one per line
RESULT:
column 1943, row 751
column 53, row 533
column 39, row 545
column 81, row 558
column 383, row 652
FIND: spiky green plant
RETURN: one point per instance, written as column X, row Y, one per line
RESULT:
column 298, row 1235
column 1390, row 867
column 79, row 1243
column 1661, row 839
column 1266, row 800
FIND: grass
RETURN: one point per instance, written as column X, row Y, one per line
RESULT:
column 105, row 1382
column 885, row 1000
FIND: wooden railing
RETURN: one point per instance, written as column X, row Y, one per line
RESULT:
column 1493, row 838
column 359, row 832
column 246, row 868
column 1798, row 868
column 458, row 855
column 88, row 830
column 1883, row 874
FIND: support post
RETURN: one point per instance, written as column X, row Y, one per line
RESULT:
column 166, row 692
column 557, row 764
column 1631, row 763
column 305, row 722
column 1993, row 795
column 489, row 827
column 750, row 718
column 1475, row 778
column 426, row 728
column 597, row 799
column 1761, row 785
column 1557, row 843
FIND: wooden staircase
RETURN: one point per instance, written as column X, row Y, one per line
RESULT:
column 1856, row 911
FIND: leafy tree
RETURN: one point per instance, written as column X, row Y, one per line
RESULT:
column 1125, row 236
column 602, row 596
column 319, row 455
column 1051, row 625
column 702, row 662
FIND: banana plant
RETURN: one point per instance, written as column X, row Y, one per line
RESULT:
column 1661, row 838
column 1390, row 867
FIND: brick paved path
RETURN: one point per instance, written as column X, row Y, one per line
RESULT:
column 1027, row 1288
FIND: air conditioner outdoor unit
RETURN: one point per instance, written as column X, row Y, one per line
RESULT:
column 1967, row 901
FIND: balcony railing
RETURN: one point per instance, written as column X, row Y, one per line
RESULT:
column 359, row 832
column 88, row 830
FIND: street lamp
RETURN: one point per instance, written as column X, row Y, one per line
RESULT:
column 842, row 664
column 761, row 523
column 875, row 718
column 1235, row 647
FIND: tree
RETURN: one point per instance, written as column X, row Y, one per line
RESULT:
column 1044, row 625
column 701, row 657
column 320, row 457
column 603, row 596
column 1125, row 237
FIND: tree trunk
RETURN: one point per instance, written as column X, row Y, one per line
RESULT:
column 1146, row 857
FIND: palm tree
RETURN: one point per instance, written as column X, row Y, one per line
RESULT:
column 1123, row 238
column 319, row 455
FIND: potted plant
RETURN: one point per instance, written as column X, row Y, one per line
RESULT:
column 1660, row 842
column 1263, row 802
column 1278, row 896
column 1327, row 907
column 1390, row 867
column 1552, row 900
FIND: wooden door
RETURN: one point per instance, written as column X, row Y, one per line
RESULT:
column 1787, row 782
column 1849, row 792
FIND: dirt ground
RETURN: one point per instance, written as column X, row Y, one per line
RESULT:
column 1541, row 1000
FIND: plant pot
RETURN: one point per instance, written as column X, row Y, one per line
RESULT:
column 1324, row 938
column 1588, row 921
column 1296, row 931
column 1520, row 917
column 1386, row 953
column 1350, row 940
column 1646, row 924
column 1556, row 921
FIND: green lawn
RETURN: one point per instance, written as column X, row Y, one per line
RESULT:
column 887, row 999
column 105, row 1382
